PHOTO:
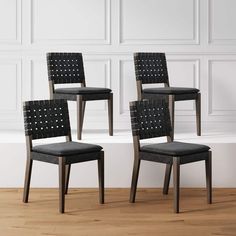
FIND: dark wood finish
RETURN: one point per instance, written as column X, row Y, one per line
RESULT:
column 186, row 97
column 79, row 116
column 176, row 179
column 83, row 113
column 198, row 114
column 172, row 114
column 150, row 119
column 67, row 177
column 139, row 89
column 28, row 169
column 165, row 159
column 37, row 116
column 167, row 84
column 110, row 114
column 86, row 97
column 134, row 179
column 148, row 156
column 51, row 89
column 28, row 172
column 167, row 178
column 194, row 158
column 101, row 178
column 83, row 84
column 136, row 167
column 81, row 103
column 208, row 164
column 61, row 184
column 72, row 159
column 68, row 167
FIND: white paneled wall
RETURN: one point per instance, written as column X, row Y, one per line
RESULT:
column 198, row 36
column 159, row 22
column 70, row 22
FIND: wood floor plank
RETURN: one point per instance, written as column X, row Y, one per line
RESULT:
column 152, row 214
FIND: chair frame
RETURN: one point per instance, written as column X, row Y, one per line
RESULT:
column 170, row 98
column 81, row 99
column 64, row 167
column 171, row 162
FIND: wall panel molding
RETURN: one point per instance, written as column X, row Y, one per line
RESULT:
column 172, row 40
column 96, row 40
column 225, row 22
column 12, row 29
column 10, row 91
column 220, row 88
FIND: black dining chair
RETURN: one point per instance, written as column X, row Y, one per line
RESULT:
column 50, row 118
column 150, row 119
column 68, row 68
column 151, row 68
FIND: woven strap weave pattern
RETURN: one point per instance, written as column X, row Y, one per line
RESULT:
column 46, row 118
column 65, row 68
column 150, row 119
column 151, row 67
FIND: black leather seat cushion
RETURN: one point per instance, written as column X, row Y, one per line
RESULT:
column 175, row 148
column 171, row 90
column 66, row 148
column 82, row 90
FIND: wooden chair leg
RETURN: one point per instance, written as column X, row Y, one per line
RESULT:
column 134, row 179
column 61, row 184
column 208, row 164
column 83, row 112
column 172, row 114
column 28, row 171
column 110, row 114
column 67, row 177
column 101, row 178
column 79, row 117
column 167, row 178
column 176, row 180
column 198, row 114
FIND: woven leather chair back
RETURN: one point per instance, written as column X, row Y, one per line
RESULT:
column 46, row 118
column 151, row 68
column 65, row 68
column 150, row 119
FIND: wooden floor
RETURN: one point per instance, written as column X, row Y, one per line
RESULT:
column 152, row 214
